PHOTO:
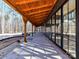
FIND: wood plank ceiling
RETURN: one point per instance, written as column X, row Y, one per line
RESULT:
column 35, row 11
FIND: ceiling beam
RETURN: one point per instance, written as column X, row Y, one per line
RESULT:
column 37, row 15
column 38, row 19
column 40, row 16
column 37, row 12
column 36, row 8
column 41, row 13
column 24, row 2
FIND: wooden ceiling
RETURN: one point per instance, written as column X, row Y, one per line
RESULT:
column 35, row 11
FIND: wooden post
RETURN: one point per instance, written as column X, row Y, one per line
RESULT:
column 24, row 27
column 25, row 33
column 32, row 30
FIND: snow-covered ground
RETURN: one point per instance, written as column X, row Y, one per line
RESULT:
column 3, row 36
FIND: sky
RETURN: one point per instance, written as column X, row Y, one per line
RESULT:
column 2, row 5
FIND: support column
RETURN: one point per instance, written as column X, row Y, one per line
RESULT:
column 25, row 33
column 32, row 30
column 24, row 28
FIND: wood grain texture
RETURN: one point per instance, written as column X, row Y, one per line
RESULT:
column 35, row 11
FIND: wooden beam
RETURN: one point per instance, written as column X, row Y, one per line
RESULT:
column 46, row 6
column 46, row 12
column 25, row 19
column 41, row 14
column 38, row 21
column 40, row 11
column 24, row 2
column 39, row 17
column 19, row 2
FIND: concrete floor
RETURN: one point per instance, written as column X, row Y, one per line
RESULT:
column 37, row 48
